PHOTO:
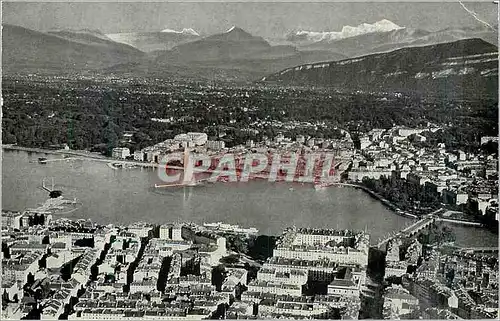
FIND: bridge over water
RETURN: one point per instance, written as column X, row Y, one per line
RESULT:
column 425, row 222
column 411, row 230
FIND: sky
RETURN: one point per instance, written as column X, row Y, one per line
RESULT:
column 266, row 19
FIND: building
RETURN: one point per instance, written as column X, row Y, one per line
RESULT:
column 171, row 232
column 11, row 219
column 121, row 152
column 344, row 247
column 215, row 144
column 399, row 303
column 430, row 292
column 405, row 132
column 198, row 138
column 140, row 229
column 140, row 156
column 357, row 175
column 191, row 139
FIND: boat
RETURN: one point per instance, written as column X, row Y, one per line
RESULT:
column 228, row 227
column 42, row 160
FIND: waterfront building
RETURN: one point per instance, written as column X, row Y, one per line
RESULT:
column 358, row 174
column 140, row 229
column 153, row 156
column 120, row 152
column 343, row 247
column 171, row 232
column 11, row 220
column 140, row 156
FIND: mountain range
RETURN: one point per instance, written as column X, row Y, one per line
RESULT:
column 383, row 41
column 463, row 67
column 231, row 55
column 29, row 50
column 155, row 41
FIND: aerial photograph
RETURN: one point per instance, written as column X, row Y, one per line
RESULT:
column 249, row 160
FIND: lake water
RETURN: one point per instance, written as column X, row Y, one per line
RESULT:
column 127, row 195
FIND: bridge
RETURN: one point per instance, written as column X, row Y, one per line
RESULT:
column 409, row 231
column 425, row 222
column 412, row 229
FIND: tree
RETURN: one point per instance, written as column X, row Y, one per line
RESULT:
column 218, row 276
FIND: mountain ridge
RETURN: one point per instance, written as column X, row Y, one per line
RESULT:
column 374, row 42
column 465, row 65
column 245, row 57
column 24, row 48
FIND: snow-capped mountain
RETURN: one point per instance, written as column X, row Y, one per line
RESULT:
column 237, row 50
column 154, row 41
column 186, row 31
column 346, row 32
column 381, row 36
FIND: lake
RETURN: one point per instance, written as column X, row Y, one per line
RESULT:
column 122, row 196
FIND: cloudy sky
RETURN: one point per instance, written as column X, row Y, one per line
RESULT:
column 263, row 18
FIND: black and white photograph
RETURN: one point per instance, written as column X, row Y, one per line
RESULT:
column 189, row 160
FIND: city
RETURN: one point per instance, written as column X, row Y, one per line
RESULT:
column 185, row 270
column 189, row 161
